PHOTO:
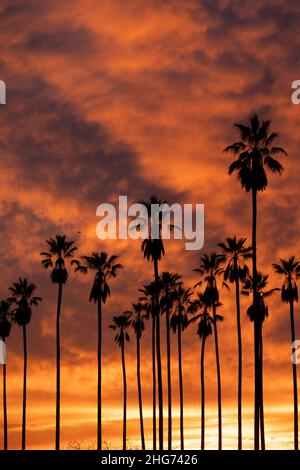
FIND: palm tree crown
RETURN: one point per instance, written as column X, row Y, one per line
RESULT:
column 256, row 153
column 236, row 253
column 211, row 268
column 60, row 249
column 120, row 324
column 105, row 267
column 290, row 269
column 262, row 294
column 22, row 296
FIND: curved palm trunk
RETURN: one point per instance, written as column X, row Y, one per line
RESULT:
column 99, row 396
column 125, row 395
column 57, row 432
column 256, row 333
column 219, row 381
column 24, row 389
column 180, row 386
column 158, row 356
column 202, row 396
column 5, row 439
column 154, row 380
column 294, row 379
column 138, row 371
column 168, row 340
column 240, row 354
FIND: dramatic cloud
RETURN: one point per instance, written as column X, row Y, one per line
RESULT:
column 114, row 97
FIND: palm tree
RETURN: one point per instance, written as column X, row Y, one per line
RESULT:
column 24, row 299
column 204, row 330
column 153, row 250
column 138, row 323
column 105, row 268
column 169, row 282
column 121, row 324
column 149, row 293
column 179, row 322
column 255, row 154
column 210, row 268
column 5, row 329
column 236, row 270
column 290, row 270
column 263, row 311
column 60, row 251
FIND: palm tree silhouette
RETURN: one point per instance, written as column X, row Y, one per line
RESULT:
column 121, row 324
column 179, row 322
column 149, row 292
column 60, row 251
column 153, row 250
column 290, row 270
column 139, row 314
column 204, row 330
column 24, row 299
column 169, row 282
column 105, row 268
column 236, row 270
column 210, row 269
column 255, row 153
column 260, row 313
column 5, row 329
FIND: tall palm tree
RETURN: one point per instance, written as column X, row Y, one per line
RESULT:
column 153, row 250
column 259, row 314
column 5, row 329
column 61, row 250
column 289, row 269
column 255, row 153
column 138, row 316
column 204, row 330
column 179, row 322
column 24, row 299
column 210, row 269
column 105, row 267
column 121, row 324
column 169, row 282
column 236, row 270
column 148, row 292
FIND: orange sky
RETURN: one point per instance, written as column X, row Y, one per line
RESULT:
column 113, row 97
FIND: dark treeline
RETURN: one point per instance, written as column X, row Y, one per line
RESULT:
column 234, row 267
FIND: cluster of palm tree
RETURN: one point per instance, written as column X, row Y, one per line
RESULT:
column 166, row 294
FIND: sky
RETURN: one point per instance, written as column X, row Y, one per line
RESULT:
column 139, row 98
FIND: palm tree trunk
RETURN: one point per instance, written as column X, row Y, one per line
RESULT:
column 125, row 394
column 57, row 432
column 154, row 379
column 202, row 396
column 240, row 353
column 5, row 439
column 159, row 371
column 261, row 405
column 256, row 343
column 180, row 385
column 219, row 380
column 294, row 379
column 168, row 340
column 138, row 371
column 24, row 389
column 99, row 395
